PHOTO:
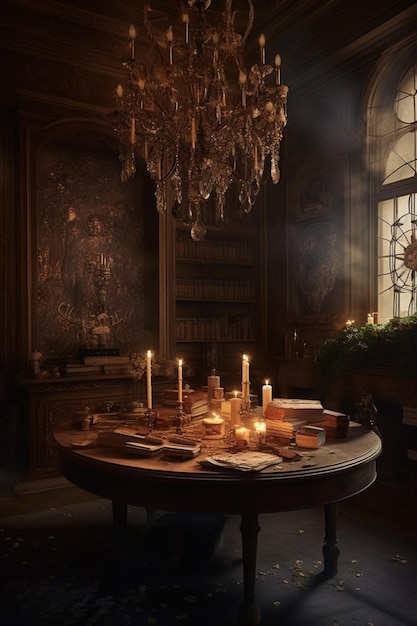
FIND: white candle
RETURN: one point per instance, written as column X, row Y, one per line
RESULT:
column 242, row 434
column 235, row 404
column 266, row 395
column 278, row 69
column 245, row 369
column 186, row 21
column 179, row 380
column 149, row 378
column 262, row 48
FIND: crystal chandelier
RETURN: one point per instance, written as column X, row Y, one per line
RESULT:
column 203, row 121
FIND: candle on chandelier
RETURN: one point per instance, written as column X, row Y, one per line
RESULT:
column 170, row 37
column 278, row 69
column 179, row 380
column 132, row 37
column 242, row 83
column 132, row 130
column 193, row 133
column 186, row 21
column 149, row 377
column 262, row 47
column 266, row 395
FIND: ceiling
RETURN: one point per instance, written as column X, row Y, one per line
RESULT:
column 310, row 35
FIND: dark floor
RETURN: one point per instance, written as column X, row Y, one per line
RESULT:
column 61, row 567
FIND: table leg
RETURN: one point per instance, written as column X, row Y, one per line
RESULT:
column 119, row 521
column 330, row 549
column 249, row 613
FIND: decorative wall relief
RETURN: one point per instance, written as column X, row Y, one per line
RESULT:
column 317, row 265
column 91, row 231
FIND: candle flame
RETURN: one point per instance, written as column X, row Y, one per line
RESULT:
column 149, row 354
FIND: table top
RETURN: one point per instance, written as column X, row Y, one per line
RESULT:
column 337, row 470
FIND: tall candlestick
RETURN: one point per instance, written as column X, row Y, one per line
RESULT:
column 149, row 378
column 179, row 380
column 266, row 395
column 245, row 369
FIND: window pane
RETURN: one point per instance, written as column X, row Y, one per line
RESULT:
column 397, row 257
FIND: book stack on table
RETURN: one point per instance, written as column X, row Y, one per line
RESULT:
column 335, row 424
column 284, row 416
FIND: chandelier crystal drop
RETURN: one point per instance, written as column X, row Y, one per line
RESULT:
column 201, row 119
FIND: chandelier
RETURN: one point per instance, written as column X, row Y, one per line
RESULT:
column 202, row 120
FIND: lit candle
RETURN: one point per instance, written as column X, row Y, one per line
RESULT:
column 235, row 404
column 370, row 319
column 242, row 82
column 245, row 369
column 149, row 378
column 278, row 69
column 119, row 91
column 266, row 395
column 186, row 20
column 179, row 380
column 262, row 47
column 242, row 435
column 170, row 37
column 132, row 37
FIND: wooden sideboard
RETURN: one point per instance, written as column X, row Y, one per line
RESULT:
column 46, row 402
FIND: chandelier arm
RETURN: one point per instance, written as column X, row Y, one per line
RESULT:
column 147, row 9
column 251, row 17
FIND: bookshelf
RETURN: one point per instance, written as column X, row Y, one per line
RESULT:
column 217, row 296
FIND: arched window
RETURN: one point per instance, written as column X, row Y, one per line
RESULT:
column 392, row 127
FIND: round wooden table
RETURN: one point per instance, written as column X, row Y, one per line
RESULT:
column 336, row 471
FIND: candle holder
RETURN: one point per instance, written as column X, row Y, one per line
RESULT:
column 245, row 410
column 179, row 418
column 260, row 432
column 150, row 418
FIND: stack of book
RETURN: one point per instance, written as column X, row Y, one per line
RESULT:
column 310, row 437
column 335, row 424
column 284, row 416
column 195, row 403
column 286, row 428
column 282, row 408
column 149, row 445
column 98, row 365
column 117, row 364
column 81, row 369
